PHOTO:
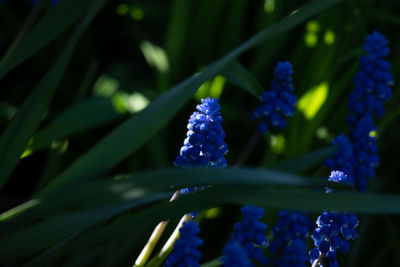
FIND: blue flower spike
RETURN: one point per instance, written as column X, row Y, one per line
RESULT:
column 250, row 234
column 185, row 252
column 235, row 256
column 204, row 144
column 373, row 81
column 334, row 231
column 366, row 152
column 279, row 102
column 290, row 239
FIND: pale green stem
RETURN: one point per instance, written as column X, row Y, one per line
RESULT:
column 155, row 237
column 151, row 243
column 171, row 240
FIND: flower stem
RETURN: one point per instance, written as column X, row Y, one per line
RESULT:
column 249, row 148
column 318, row 261
column 151, row 243
column 171, row 240
column 168, row 247
column 156, row 235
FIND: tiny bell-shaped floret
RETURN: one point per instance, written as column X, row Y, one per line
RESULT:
column 343, row 159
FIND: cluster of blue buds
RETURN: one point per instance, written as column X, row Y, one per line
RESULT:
column 373, row 81
column 235, row 256
column 338, row 177
column 334, row 230
column 358, row 158
column 290, row 239
column 185, row 251
column 204, row 144
column 343, row 158
column 250, row 234
column 365, row 151
column 279, row 102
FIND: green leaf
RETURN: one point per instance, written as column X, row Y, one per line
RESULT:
column 94, row 194
column 167, row 179
column 237, row 74
column 119, row 196
column 133, row 226
column 83, row 116
column 27, row 119
column 279, row 198
column 56, row 21
column 138, row 129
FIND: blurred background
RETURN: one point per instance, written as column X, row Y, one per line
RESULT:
column 136, row 50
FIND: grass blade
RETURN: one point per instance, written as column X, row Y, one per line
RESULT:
column 27, row 119
column 306, row 161
column 237, row 74
column 55, row 22
column 85, row 115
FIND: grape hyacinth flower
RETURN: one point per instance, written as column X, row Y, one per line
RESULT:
column 333, row 232
column 365, row 152
column 204, row 144
column 250, row 233
column 343, row 158
column 279, row 102
column 290, row 239
column 235, row 256
column 185, row 253
column 373, row 81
